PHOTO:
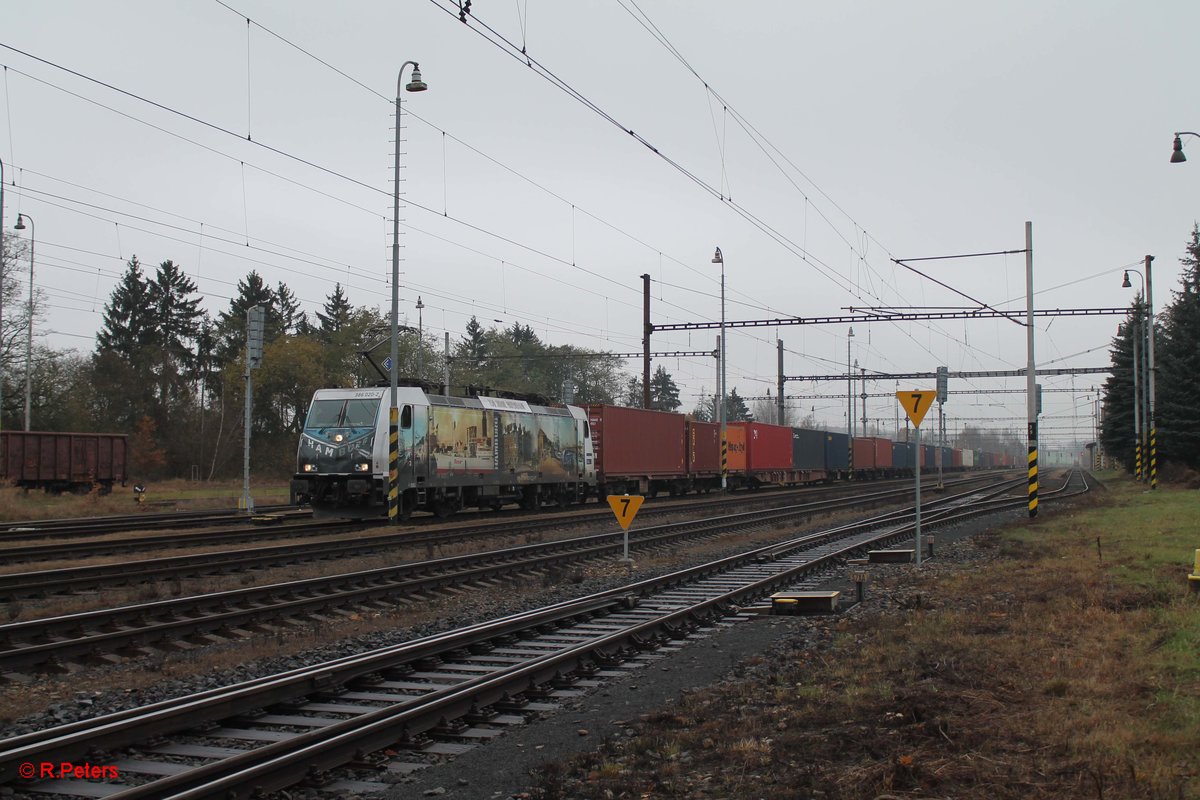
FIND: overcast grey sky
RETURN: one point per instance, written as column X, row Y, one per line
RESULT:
column 836, row 137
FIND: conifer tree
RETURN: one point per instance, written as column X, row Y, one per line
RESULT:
column 1178, row 366
column 337, row 311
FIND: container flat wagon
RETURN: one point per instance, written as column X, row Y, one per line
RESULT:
column 638, row 451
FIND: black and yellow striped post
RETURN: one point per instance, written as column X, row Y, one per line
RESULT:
column 1137, row 461
column 724, row 459
column 393, row 466
column 850, row 457
column 1153, row 459
column 1033, row 478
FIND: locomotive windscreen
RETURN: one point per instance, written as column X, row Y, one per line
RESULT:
column 356, row 413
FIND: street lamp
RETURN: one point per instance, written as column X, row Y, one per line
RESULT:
column 1177, row 156
column 719, row 259
column 1148, row 294
column 20, row 226
column 415, row 85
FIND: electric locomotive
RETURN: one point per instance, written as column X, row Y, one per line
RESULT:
column 454, row 453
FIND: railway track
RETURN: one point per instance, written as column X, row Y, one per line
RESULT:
column 314, row 528
column 45, row 583
column 188, row 622
column 59, row 529
column 434, row 695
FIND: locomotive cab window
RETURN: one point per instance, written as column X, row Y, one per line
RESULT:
column 586, row 435
column 406, row 418
column 341, row 414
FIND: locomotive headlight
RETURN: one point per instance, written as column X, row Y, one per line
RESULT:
column 362, row 467
column 309, row 468
column 337, row 437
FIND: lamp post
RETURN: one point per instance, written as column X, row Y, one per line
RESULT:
column 415, row 85
column 1148, row 294
column 420, row 334
column 1177, row 156
column 20, row 226
column 849, row 407
column 719, row 259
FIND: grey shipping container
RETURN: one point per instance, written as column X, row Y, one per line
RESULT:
column 808, row 449
column 902, row 455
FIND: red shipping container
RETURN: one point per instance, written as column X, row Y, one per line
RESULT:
column 881, row 455
column 768, row 447
column 864, row 453
column 703, row 448
column 956, row 458
column 636, row 442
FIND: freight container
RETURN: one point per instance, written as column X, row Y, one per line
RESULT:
column 956, row 458
column 928, row 456
column 902, row 455
column 636, row 443
column 883, row 451
column 864, row 454
column 735, row 441
column 58, row 462
column 703, row 449
column 837, row 451
column 968, row 459
column 808, row 449
column 947, row 457
column 768, row 447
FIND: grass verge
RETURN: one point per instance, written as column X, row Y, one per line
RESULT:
column 17, row 504
column 1064, row 664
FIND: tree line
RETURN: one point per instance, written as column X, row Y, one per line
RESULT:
column 170, row 374
column 1177, row 370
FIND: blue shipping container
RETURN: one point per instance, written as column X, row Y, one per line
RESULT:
column 837, row 451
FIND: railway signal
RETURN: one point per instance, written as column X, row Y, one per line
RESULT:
column 625, row 507
column 915, row 403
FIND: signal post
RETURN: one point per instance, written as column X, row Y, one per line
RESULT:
column 625, row 507
column 915, row 403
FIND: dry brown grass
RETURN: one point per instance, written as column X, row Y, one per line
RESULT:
column 18, row 504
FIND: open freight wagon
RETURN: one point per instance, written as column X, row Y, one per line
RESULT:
column 63, row 462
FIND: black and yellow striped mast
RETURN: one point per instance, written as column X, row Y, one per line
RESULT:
column 1031, row 374
column 1153, row 455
